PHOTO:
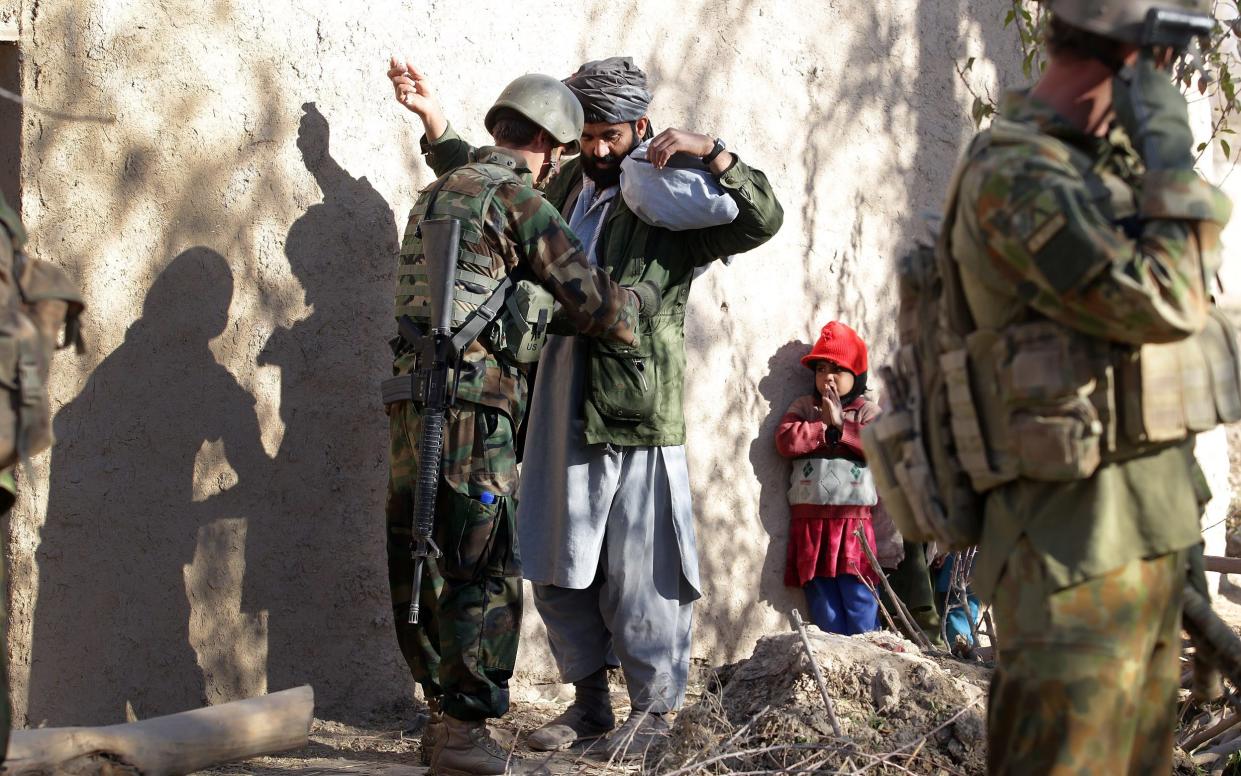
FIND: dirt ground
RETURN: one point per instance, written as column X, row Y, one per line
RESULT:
column 385, row 746
column 887, row 695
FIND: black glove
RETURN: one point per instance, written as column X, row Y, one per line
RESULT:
column 1153, row 112
column 649, row 298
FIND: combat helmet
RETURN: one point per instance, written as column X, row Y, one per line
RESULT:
column 546, row 102
column 1121, row 20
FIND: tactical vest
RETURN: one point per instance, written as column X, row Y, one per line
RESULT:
column 975, row 407
column 37, row 302
column 508, row 311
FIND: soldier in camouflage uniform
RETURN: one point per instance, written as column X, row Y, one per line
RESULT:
column 463, row 650
column 1079, row 212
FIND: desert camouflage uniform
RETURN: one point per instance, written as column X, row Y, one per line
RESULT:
column 1085, row 576
column 466, row 643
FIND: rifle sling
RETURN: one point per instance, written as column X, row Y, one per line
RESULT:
column 402, row 387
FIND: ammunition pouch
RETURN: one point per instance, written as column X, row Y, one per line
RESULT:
column 927, row 499
column 1045, row 403
column 519, row 333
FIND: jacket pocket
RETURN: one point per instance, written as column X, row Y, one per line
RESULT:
column 623, row 379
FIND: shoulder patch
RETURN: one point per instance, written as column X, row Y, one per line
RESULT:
column 1038, row 220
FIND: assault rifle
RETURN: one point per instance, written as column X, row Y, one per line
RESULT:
column 441, row 239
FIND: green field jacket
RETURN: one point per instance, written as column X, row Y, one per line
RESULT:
column 634, row 251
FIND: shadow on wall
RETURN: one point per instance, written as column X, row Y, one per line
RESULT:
column 307, row 564
column 786, row 380
column 180, row 564
column 113, row 617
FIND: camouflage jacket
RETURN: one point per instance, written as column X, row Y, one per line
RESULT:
column 521, row 229
column 635, row 252
column 1074, row 231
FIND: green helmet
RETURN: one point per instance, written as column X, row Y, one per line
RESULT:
column 1121, row 20
column 546, row 102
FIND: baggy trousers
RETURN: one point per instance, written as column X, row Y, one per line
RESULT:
column 638, row 611
column 465, row 644
column 1087, row 675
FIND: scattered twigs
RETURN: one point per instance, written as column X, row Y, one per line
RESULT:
column 1214, row 755
column 963, row 569
column 1223, row 726
column 887, row 618
column 692, row 767
column 921, row 740
column 818, row 675
column 913, row 631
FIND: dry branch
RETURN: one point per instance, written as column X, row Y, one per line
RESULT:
column 913, row 631
column 818, row 675
column 174, row 744
column 1222, row 726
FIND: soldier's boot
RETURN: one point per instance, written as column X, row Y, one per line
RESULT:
column 634, row 737
column 587, row 718
column 466, row 748
column 433, row 731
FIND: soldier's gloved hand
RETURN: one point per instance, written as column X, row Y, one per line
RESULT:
column 649, row 298
column 1153, row 113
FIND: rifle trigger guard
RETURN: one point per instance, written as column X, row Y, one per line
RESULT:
column 432, row 549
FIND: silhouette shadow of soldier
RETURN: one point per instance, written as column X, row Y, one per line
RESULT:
column 313, row 560
column 126, row 506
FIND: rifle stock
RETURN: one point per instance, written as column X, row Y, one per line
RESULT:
column 441, row 240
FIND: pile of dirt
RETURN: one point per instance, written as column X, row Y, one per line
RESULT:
column 899, row 711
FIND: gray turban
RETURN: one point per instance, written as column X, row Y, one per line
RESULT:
column 611, row 90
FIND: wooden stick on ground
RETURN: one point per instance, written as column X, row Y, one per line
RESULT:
column 1223, row 726
column 818, row 675
column 913, row 631
column 883, row 609
column 171, row 745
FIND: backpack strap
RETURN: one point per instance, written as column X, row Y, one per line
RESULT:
column 955, row 312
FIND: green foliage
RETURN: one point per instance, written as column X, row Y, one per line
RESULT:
column 1210, row 68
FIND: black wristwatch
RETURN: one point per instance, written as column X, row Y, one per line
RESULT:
column 716, row 150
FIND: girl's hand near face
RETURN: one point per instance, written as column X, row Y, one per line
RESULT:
column 833, row 412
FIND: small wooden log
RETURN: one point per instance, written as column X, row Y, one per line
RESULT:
column 171, row 745
column 1221, row 564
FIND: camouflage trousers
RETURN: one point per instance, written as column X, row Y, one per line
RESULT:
column 465, row 644
column 1087, row 675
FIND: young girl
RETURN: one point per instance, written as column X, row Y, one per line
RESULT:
column 831, row 492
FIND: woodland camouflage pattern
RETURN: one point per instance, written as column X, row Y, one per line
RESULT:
column 1055, row 225
column 1086, row 674
column 466, row 645
column 1033, row 210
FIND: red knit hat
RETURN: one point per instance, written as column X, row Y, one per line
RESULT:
column 840, row 345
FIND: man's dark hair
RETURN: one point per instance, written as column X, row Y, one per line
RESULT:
column 511, row 128
column 1064, row 40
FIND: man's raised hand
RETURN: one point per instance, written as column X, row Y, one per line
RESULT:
column 414, row 90
column 672, row 141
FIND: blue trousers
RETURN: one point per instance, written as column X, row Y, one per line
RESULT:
column 842, row 604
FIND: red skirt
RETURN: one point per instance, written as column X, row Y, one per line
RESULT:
column 823, row 546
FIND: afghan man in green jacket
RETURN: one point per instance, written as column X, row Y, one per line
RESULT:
column 605, row 521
